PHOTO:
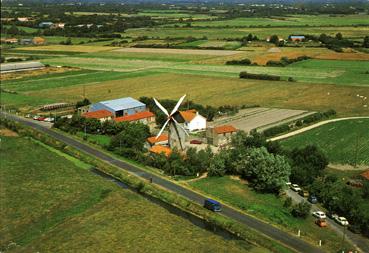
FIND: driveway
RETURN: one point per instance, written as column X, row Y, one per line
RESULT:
column 355, row 239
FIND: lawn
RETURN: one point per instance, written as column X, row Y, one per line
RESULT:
column 267, row 207
column 51, row 204
column 343, row 142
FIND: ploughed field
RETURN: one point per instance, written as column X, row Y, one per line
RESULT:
column 50, row 206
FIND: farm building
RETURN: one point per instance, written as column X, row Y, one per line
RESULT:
column 220, row 135
column 158, row 149
column 101, row 115
column 58, row 25
column 161, row 140
column 45, row 24
column 144, row 117
column 26, row 41
column 192, row 120
column 10, row 41
column 24, row 19
column 296, row 38
column 20, row 66
column 120, row 107
column 38, row 41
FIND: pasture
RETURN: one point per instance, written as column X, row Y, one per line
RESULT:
column 78, row 211
column 344, row 142
column 267, row 207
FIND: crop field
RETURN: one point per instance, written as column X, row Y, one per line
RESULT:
column 262, row 32
column 68, row 48
column 293, row 20
column 267, row 207
column 344, row 142
column 78, row 211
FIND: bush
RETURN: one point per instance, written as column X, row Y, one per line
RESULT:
column 239, row 62
column 301, row 210
column 246, row 75
column 276, row 130
column 288, row 202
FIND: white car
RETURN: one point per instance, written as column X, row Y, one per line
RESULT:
column 295, row 187
column 288, row 184
column 319, row 215
column 49, row 120
column 342, row 221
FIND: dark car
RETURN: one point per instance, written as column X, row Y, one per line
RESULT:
column 195, row 142
column 212, row 205
column 312, row 199
column 303, row 193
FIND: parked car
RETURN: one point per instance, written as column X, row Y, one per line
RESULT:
column 49, row 120
column 295, row 187
column 288, row 184
column 342, row 221
column 321, row 223
column 312, row 199
column 303, row 193
column 36, row 117
column 332, row 215
column 319, row 215
column 28, row 116
column 41, row 118
column 212, row 205
column 195, row 142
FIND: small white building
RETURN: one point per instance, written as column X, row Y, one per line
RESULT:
column 193, row 121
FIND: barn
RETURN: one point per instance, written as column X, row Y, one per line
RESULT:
column 120, row 107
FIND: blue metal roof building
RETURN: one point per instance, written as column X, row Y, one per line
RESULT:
column 120, row 107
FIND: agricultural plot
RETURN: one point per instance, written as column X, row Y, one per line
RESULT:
column 344, row 142
column 73, row 216
column 68, row 48
column 250, row 119
column 293, row 20
column 219, row 91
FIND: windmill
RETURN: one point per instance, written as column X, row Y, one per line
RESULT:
column 177, row 133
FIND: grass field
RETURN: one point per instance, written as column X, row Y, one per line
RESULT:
column 293, row 20
column 267, row 207
column 53, row 204
column 343, row 142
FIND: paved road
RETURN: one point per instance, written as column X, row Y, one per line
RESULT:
column 289, row 240
column 355, row 239
column 304, row 129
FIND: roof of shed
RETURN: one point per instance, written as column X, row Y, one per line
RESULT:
column 159, row 149
column 225, row 129
column 122, row 103
column 161, row 138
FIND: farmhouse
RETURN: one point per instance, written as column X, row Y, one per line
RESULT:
column 58, row 25
column 25, row 19
column 192, row 120
column 145, row 117
column 161, row 140
column 158, row 149
column 21, row 66
column 296, row 38
column 10, row 41
column 220, row 135
column 38, row 41
column 120, row 107
column 101, row 115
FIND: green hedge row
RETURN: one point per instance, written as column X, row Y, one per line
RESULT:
column 145, row 187
column 247, row 75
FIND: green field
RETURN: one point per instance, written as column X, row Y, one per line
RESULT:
column 267, row 207
column 293, row 20
column 51, row 203
column 343, row 142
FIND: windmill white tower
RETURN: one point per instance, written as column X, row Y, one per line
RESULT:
column 177, row 133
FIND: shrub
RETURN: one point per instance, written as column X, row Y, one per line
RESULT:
column 288, row 202
column 247, row 75
column 276, row 130
column 301, row 210
column 239, row 62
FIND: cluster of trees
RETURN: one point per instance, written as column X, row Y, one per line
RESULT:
column 345, row 200
column 247, row 75
column 245, row 62
column 284, row 61
column 335, row 43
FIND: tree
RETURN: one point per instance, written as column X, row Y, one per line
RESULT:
column 339, row 36
column 366, row 42
column 274, row 39
column 266, row 172
column 83, row 102
column 307, row 164
column 301, row 210
column 217, row 166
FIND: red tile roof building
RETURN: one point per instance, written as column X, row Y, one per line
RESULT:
column 225, row 129
column 158, row 149
column 101, row 115
column 144, row 117
column 162, row 138
column 365, row 175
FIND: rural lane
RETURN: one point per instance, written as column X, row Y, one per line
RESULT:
column 285, row 238
column 356, row 239
column 304, row 129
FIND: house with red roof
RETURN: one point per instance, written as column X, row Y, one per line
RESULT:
column 159, row 149
column 192, row 120
column 220, row 135
column 161, row 140
column 101, row 115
